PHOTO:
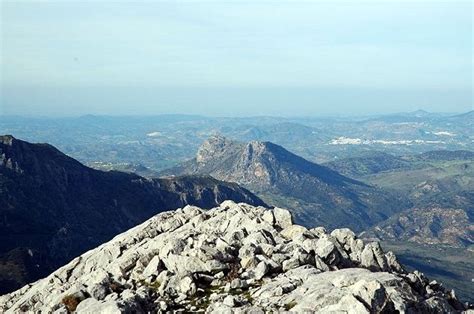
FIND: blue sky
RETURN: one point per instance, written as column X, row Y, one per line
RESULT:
column 235, row 57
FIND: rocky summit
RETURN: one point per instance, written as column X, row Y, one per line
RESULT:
column 235, row 257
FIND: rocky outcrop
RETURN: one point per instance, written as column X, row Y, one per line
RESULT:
column 234, row 257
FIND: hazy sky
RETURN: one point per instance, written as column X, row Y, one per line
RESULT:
column 235, row 57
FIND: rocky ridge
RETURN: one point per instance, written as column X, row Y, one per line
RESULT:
column 233, row 257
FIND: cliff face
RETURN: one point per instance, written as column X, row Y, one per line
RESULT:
column 53, row 208
column 233, row 257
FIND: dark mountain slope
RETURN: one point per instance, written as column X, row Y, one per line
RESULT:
column 285, row 179
column 53, row 206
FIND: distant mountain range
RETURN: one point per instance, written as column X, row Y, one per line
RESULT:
column 53, row 208
column 282, row 178
column 159, row 142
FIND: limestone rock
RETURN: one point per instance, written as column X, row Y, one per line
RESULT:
column 92, row 305
column 373, row 258
column 282, row 217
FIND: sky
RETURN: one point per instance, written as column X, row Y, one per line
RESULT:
column 234, row 58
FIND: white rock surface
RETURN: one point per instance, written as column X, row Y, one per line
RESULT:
column 237, row 258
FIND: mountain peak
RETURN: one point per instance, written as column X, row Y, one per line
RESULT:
column 7, row 139
column 7, row 159
column 217, row 147
column 261, row 146
column 217, row 139
column 34, row 158
column 214, row 147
